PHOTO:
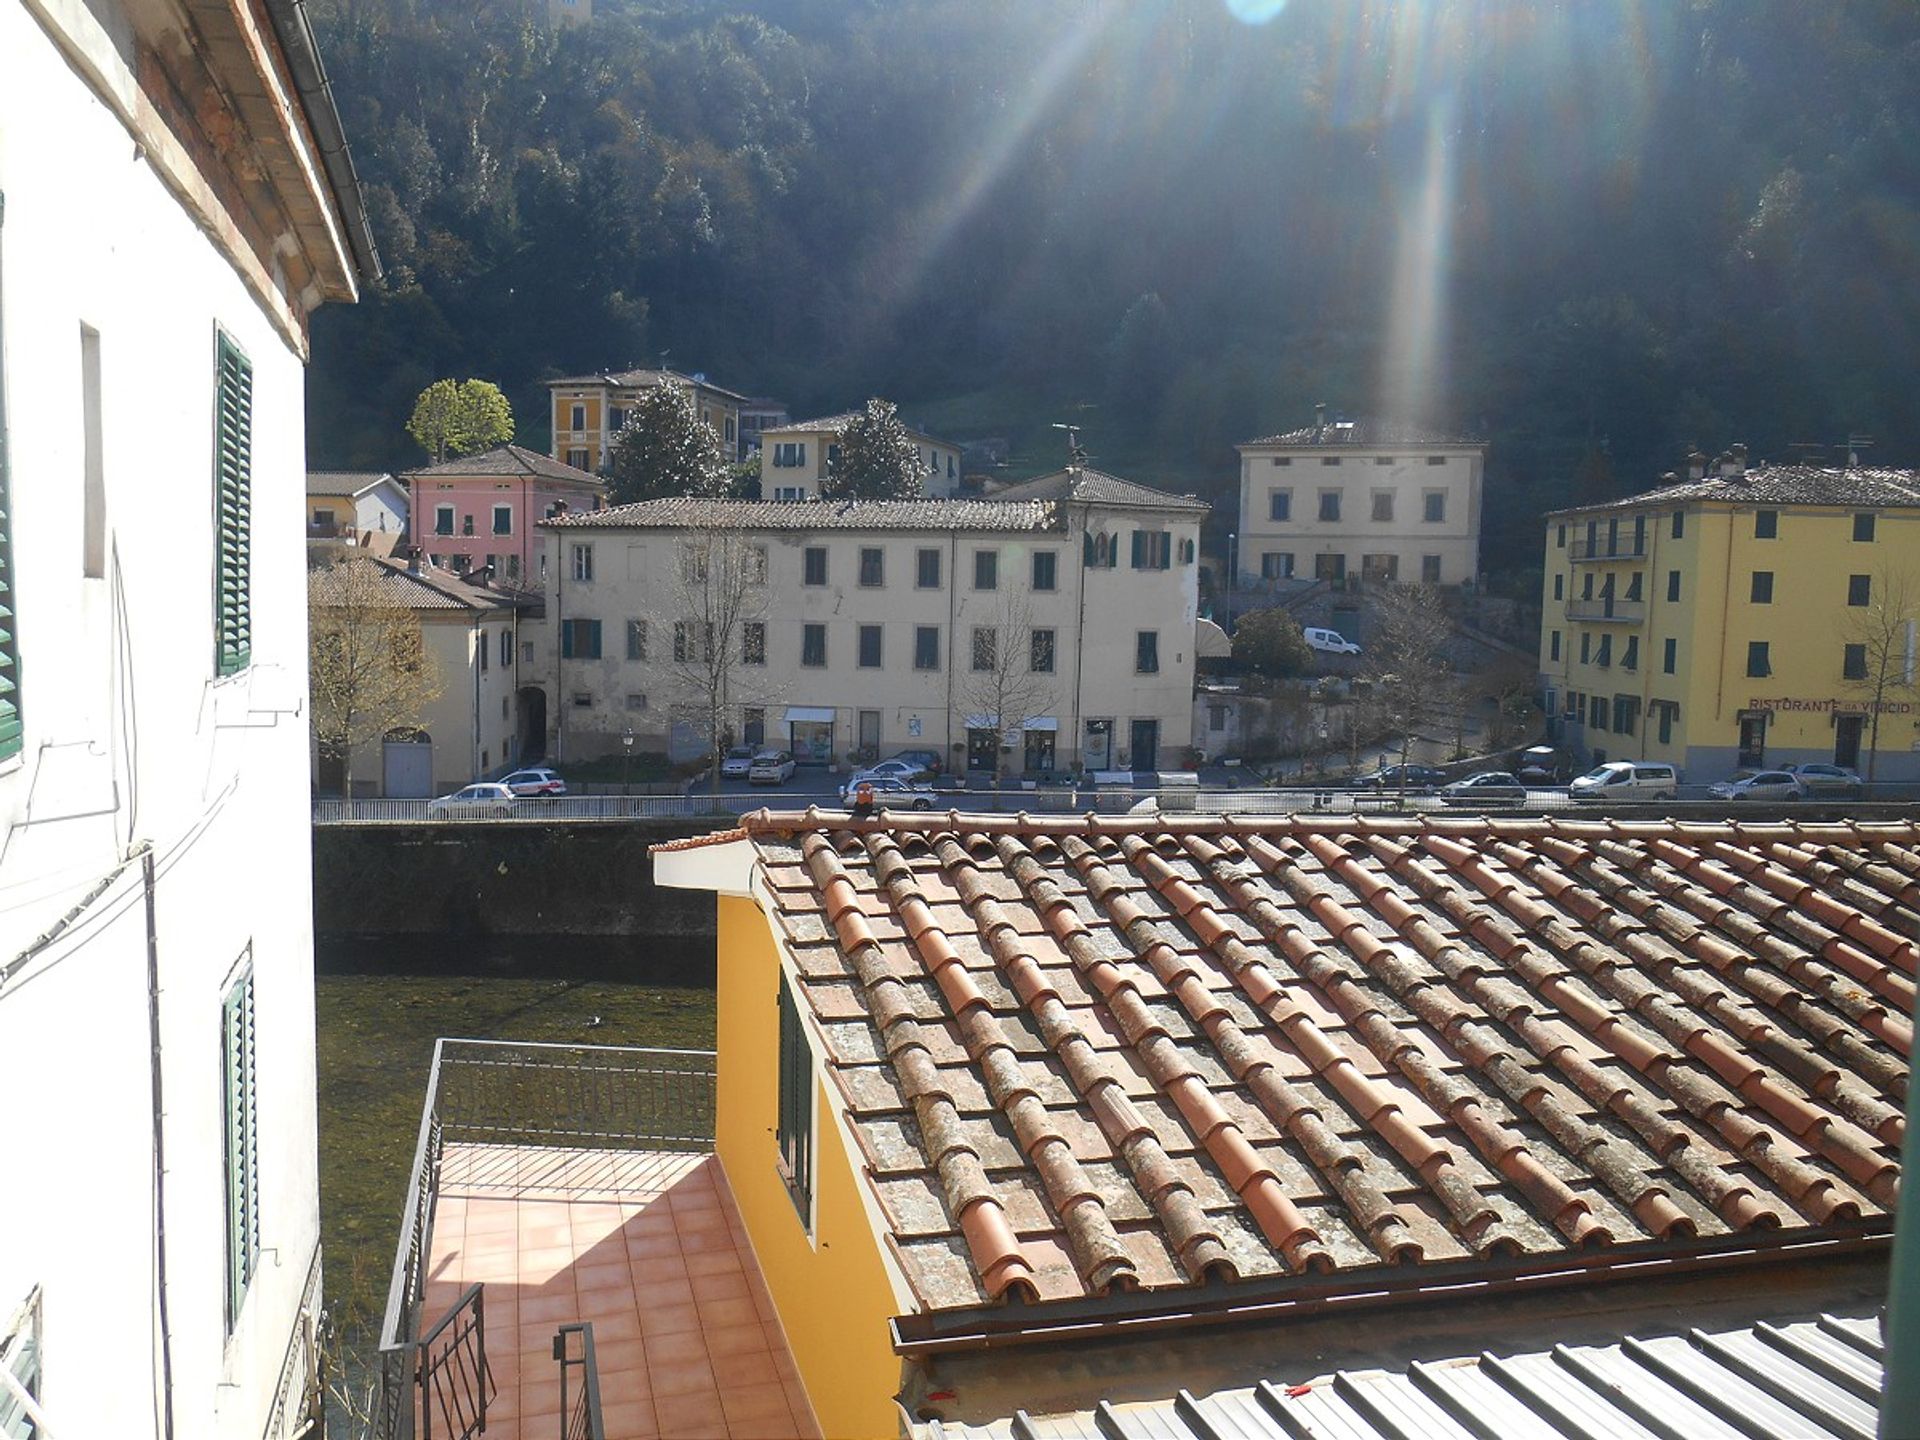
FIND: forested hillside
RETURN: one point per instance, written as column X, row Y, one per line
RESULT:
column 1596, row 230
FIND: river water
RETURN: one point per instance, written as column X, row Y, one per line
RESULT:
column 381, row 1004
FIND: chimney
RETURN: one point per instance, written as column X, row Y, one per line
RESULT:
column 1696, row 464
column 413, row 559
column 1320, row 417
column 1738, row 455
column 559, row 508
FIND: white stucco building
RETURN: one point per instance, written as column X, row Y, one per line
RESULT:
column 177, row 200
column 1369, row 499
column 794, row 458
column 877, row 622
column 365, row 508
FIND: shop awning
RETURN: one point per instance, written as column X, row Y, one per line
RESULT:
column 1041, row 722
column 982, row 722
column 809, row 715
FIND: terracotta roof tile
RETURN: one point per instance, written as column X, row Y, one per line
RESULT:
column 1087, row 1055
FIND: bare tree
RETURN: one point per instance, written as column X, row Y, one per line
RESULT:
column 1008, row 668
column 367, row 662
column 1879, row 658
column 1413, row 690
column 716, row 636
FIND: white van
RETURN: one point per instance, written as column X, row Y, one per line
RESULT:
column 1329, row 642
column 1627, row 780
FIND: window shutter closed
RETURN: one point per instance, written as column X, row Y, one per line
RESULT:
column 242, row 1143
column 233, row 485
column 1086, row 548
column 1165, row 548
column 566, row 641
column 796, row 1102
column 1139, row 547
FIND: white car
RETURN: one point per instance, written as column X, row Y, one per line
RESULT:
column 906, row 770
column 489, row 800
column 735, row 764
column 1329, row 642
column 1758, row 785
column 889, row 792
column 1626, row 780
column 770, row 767
column 534, row 782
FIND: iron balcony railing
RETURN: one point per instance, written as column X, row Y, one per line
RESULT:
column 1605, row 611
column 523, row 1094
column 530, row 808
column 1624, row 548
column 579, row 1383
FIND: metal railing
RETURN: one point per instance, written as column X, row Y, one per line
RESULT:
column 1624, row 612
column 1624, row 548
column 455, row 1382
column 579, row 1384
column 369, row 811
column 497, row 1092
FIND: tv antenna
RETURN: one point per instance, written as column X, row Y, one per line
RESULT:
column 1076, row 452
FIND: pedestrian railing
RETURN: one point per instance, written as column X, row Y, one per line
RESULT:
column 530, row 809
column 579, row 1383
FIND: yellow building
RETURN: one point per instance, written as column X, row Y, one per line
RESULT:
column 1739, row 617
column 795, row 458
column 589, row 410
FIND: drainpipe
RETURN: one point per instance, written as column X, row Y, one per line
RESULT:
column 159, row 1150
column 953, row 633
column 1080, row 643
column 479, row 634
column 559, row 650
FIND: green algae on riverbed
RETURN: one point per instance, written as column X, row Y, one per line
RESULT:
column 375, row 1037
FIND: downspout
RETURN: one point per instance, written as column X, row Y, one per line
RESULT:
column 473, row 745
column 1080, row 644
column 159, row 1150
column 1726, row 610
column 559, row 651
column 953, row 631
column 1652, row 559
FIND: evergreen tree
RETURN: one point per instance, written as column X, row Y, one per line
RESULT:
column 665, row 448
column 878, row 459
column 1270, row 642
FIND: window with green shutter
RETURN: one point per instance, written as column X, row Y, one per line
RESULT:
column 796, row 1105
column 233, row 506
column 242, row 1140
column 9, row 645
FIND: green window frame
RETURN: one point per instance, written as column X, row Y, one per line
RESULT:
column 242, row 1138
column 795, row 1133
column 233, row 506
column 12, row 723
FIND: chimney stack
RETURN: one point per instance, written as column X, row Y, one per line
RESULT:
column 1320, row 418
column 413, row 559
column 559, row 508
column 1696, row 464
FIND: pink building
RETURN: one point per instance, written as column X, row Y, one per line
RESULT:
column 482, row 509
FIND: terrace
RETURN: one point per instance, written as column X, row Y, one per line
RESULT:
column 571, row 1263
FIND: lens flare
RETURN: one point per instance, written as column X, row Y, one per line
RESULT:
column 1417, row 299
column 1255, row 12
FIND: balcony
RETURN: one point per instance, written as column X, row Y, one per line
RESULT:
column 331, row 530
column 1626, row 548
column 570, row 1259
column 1606, row 611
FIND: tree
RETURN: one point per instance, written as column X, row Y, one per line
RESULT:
column 1413, row 691
column 460, row 418
column 1270, row 642
column 665, row 448
column 716, row 638
column 1879, row 655
column 1009, row 671
column 367, row 662
column 878, row 459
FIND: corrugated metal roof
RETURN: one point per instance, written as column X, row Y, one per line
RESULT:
column 1809, row 1380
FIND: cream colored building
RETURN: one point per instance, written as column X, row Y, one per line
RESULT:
column 873, row 616
column 472, row 727
column 590, row 410
column 794, row 459
column 1369, row 499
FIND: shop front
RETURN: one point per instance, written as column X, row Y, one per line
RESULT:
column 810, row 733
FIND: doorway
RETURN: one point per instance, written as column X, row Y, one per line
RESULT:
column 532, row 702
column 1096, row 751
column 1848, row 730
column 812, row 742
column 983, row 749
column 753, row 727
column 869, row 723
column 1753, row 739
column 406, row 765
column 1144, row 737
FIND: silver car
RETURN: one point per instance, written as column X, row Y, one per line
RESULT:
column 1820, row 781
column 488, row 800
column 1758, row 785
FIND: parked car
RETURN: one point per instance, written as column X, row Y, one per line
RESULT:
column 1626, row 780
column 534, row 782
column 889, row 793
column 1329, row 642
column 1399, row 777
column 489, row 799
column 1758, row 785
column 927, row 760
column 1541, row 765
column 1489, row 787
column 770, row 767
column 894, row 769
column 735, row 764
column 1825, row 782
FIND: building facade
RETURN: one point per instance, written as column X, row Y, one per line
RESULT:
column 1739, row 618
column 758, row 415
column 473, row 724
column 1365, row 499
column 887, row 625
column 175, row 199
column 480, row 510
column 795, row 459
column 590, row 410
column 367, row 508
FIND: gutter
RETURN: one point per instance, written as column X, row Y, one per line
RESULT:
column 294, row 29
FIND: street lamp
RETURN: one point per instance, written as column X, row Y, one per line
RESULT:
column 626, row 765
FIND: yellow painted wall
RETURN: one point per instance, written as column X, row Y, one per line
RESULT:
column 831, row 1291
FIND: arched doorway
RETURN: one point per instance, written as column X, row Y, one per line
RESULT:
column 532, row 702
column 406, row 765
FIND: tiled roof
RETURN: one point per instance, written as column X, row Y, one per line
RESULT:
column 343, row 482
column 1783, row 485
column 1099, row 488
column 1367, row 434
column 642, row 378
column 689, row 514
column 837, row 424
column 428, row 589
column 1088, row 1055
column 510, row 460
column 1811, row 1379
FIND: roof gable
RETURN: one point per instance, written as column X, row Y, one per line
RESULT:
column 1096, row 487
column 1844, row 486
column 1084, row 1057
column 510, row 460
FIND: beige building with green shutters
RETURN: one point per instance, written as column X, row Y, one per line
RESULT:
column 878, row 626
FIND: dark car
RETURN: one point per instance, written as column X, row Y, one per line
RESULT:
column 927, row 760
column 1402, row 777
column 1489, row 787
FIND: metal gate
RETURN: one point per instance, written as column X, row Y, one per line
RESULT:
column 406, row 769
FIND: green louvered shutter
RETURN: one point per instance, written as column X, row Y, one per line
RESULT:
column 233, row 519
column 242, row 1142
column 796, row 1104
column 9, row 643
